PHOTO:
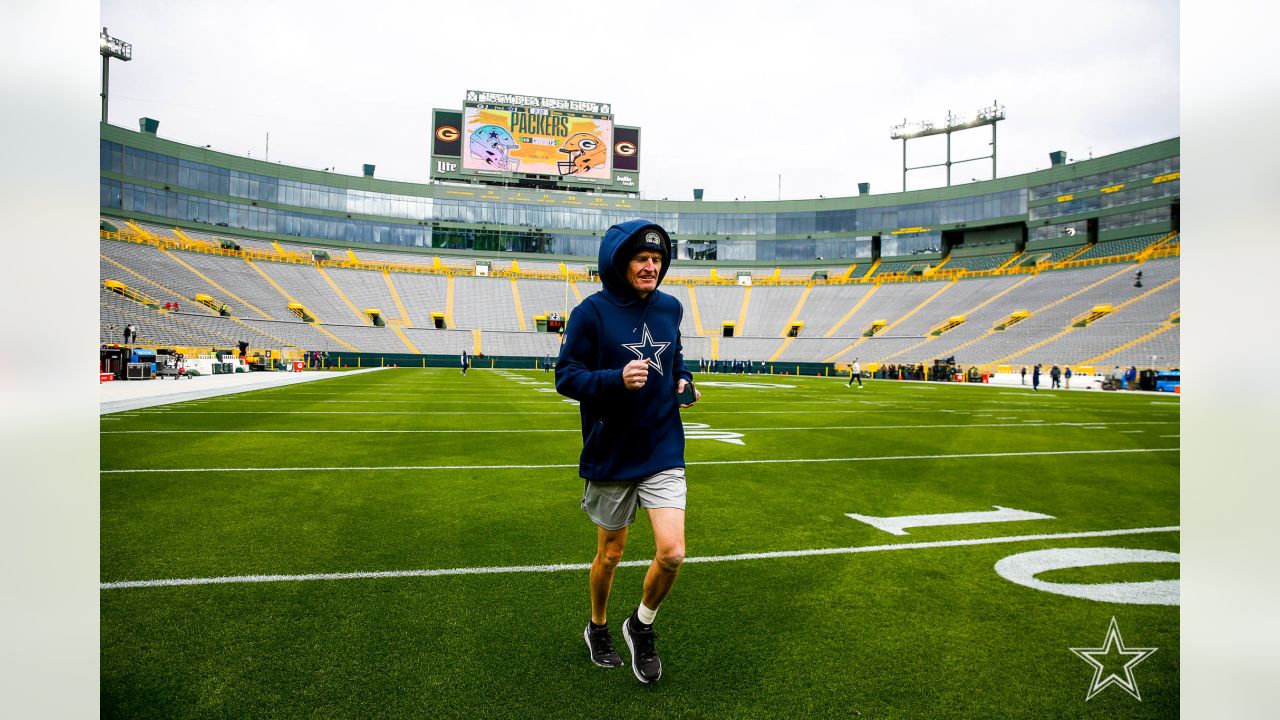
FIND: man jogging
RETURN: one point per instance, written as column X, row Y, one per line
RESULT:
column 621, row 360
column 855, row 373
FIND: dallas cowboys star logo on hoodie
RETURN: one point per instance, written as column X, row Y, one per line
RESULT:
column 648, row 350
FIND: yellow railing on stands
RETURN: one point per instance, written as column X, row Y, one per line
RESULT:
column 180, row 241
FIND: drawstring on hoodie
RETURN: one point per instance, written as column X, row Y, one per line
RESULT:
column 647, row 302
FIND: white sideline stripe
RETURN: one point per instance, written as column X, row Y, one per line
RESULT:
column 501, row 570
column 697, row 462
column 567, row 410
column 574, row 430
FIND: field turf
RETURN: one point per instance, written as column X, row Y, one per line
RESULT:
column 411, row 470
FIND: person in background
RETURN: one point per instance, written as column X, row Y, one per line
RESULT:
column 465, row 362
column 1035, row 378
column 855, row 373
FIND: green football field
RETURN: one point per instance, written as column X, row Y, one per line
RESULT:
column 408, row 543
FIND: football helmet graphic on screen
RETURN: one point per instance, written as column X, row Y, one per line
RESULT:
column 585, row 152
column 493, row 145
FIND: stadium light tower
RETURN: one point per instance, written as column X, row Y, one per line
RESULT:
column 110, row 47
column 989, row 115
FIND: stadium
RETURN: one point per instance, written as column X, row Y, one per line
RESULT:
column 307, row 510
column 1042, row 268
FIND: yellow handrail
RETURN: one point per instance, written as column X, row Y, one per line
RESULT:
column 125, row 234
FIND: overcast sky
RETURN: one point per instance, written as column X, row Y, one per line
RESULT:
column 728, row 95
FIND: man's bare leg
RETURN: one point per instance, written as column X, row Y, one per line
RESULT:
column 609, row 547
column 668, row 536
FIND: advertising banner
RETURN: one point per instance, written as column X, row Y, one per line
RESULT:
column 626, row 148
column 447, row 139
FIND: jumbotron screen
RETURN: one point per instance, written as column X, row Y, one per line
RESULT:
column 501, row 135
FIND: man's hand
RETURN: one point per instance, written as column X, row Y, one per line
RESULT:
column 635, row 374
column 697, row 394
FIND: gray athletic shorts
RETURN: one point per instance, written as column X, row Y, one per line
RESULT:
column 612, row 505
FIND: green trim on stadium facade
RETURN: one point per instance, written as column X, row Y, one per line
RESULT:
column 1115, row 161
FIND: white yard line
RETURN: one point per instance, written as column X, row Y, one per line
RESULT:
column 578, row 567
column 574, row 430
column 694, row 412
column 774, row 461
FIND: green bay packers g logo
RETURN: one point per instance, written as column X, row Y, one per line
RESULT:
column 447, row 133
column 625, row 148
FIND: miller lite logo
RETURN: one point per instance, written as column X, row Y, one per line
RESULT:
column 446, row 166
column 447, row 133
column 625, row 148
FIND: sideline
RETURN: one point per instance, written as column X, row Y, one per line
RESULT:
column 123, row 395
column 243, row 579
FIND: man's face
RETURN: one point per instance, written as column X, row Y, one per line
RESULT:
column 642, row 271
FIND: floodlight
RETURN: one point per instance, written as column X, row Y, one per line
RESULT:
column 110, row 47
column 954, row 123
column 114, row 47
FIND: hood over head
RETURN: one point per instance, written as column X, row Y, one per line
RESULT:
column 620, row 244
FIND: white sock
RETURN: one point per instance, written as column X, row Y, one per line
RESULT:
column 645, row 615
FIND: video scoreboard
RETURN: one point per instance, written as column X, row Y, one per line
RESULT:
column 531, row 141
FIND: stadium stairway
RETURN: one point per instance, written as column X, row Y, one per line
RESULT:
column 697, row 318
column 398, row 324
column 227, row 293
column 1074, row 326
column 364, row 317
column 153, row 303
column 1012, row 261
column 853, row 310
column 993, row 330
column 795, row 312
column 290, row 299
column 968, row 314
column 515, row 298
column 1136, row 341
column 1164, row 243
column 448, row 303
column 837, row 357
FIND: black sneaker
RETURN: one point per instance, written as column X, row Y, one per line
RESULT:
column 601, row 647
column 644, row 655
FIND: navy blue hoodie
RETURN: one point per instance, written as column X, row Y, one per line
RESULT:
column 627, row 435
